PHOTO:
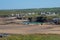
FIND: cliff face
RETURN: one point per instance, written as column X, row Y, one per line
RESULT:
column 37, row 19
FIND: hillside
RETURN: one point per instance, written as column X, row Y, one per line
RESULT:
column 35, row 10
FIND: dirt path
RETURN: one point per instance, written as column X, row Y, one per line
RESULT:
column 30, row 29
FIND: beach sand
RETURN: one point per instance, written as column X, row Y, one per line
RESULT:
column 30, row 29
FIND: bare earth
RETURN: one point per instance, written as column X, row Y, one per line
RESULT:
column 30, row 29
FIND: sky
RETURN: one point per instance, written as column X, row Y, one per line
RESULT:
column 26, row 4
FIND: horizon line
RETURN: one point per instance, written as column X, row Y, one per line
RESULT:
column 27, row 8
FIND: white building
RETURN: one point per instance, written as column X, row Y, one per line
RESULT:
column 48, row 13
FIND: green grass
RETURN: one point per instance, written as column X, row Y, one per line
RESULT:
column 32, row 37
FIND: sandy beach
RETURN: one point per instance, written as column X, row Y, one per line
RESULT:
column 30, row 29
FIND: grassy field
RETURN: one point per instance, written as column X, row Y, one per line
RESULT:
column 32, row 37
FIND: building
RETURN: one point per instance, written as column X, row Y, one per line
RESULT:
column 48, row 13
